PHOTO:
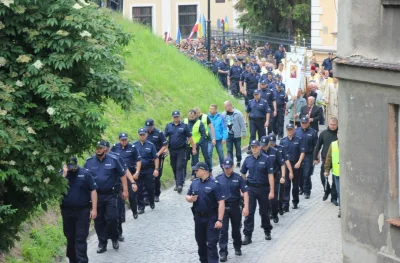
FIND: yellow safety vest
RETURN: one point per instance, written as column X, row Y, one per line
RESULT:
column 335, row 158
column 196, row 135
column 204, row 121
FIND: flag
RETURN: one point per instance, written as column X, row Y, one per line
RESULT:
column 178, row 36
column 194, row 30
column 226, row 25
column 203, row 23
column 200, row 27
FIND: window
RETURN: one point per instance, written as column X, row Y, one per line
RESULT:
column 143, row 15
column 187, row 19
column 219, row 1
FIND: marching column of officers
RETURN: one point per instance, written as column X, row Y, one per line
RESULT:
column 269, row 175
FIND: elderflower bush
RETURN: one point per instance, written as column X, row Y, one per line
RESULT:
column 59, row 62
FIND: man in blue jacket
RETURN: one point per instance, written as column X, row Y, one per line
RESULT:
column 221, row 133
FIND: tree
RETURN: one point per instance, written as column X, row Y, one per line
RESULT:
column 59, row 63
column 264, row 16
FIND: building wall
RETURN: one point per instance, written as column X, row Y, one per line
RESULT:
column 166, row 17
column 369, row 29
column 323, row 25
column 366, row 196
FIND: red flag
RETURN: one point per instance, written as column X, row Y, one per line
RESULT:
column 194, row 30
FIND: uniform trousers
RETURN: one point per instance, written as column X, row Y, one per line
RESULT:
column 232, row 213
column 76, row 224
column 288, row 184
column 257, row 128
column 207, row 237
column 146, row 180
column 178, row 163
column 106, row 222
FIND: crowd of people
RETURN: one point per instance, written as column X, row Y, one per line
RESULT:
column 276, row 171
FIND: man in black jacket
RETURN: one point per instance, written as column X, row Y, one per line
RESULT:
column 312, row 112
column 325, row 139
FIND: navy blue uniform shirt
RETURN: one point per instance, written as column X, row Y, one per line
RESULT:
column 258, row 169
column 214, row 67
column 235, row 72
column 81, row 184
column 208, row 194
column 231, row 186
column 276, row 157
column 292, row 147
column 258, row 109
column 244, row 75
column 327, row 64
column 309, row 137
column 128, row 153
column 255, row 65
column 281, row 149
column 279, row 55
column 157, row 138
column 177, row 134
column 280, row 98
column 224, row 67
column 147, row 151
column 251, row 81
column 268, row 95
column 106, row 173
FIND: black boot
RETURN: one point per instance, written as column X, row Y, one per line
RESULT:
column 115, row 244
column 247, row 240
column 238, row 252
column 223, row 258
column 268, row 236
column 101, row 249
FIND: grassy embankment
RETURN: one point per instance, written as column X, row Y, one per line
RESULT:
column 168, row 81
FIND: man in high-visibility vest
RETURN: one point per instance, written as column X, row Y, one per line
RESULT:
column 198, row 136
column 332, row 160
column 210, row 136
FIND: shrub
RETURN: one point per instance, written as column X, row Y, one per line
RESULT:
column 59, row 63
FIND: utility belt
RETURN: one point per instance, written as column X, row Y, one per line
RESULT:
column 234, row 203
column 235, row 79
column 76, row 208
column 205, row 214
column 113, row 191
column 148, row 166
column 257, row 119
column 256, row 185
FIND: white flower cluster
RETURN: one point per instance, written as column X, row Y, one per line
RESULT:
column 26, row 189
column 91, row 71
column 7, row 2
column 83, row 2
column 3, row 61
column 68, row 149
column 38, row 64
column 62, row 33
column 2, row 25
column 35, row 153
column 23, row 59
column 50, row 168
column 20, row 9
column 3, row 112
column 51, row 110
column 77, row 6
column 85, row 34
column 12, row 162
column 19, row 83
column 47, row 180
column 30, row 130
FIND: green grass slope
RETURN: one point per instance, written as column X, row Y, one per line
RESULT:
column 168, row 80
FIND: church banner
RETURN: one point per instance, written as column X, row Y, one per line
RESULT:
column 294, row 73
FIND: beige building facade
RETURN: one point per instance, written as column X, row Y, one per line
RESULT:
column 164, row 15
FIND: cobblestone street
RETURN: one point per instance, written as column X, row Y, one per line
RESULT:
column 166, row 234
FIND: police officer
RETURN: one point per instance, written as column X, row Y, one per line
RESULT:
column 268, row 95
column 107, row 171
column 253, row 64
column 160, row 142
column 223, row 70
column 178, row 134
column 281, row 99
column 197, row 129
column 149, row 169
column 309, row 139
column 208, row 210
column 243, row 76
column 278, row 164
column 260, row 181
column 295, row 154
column 75, row 209
column 279, row 55
column 234, row 77
column 251, row 83
column 232, row 184
column 259, row 113
column 121, row 202
column 214, row 64
column 133, row 161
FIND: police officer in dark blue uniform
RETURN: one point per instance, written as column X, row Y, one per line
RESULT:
column 75, row 209
column 132, row 159
column 295, row 153
column 214, row 64
column 121, row 201
column 278, row 163
column 259, row 112
column 260, row 181
column 327, row 64
column 223, row 70
column 253, row 64
column 234, row 77
column 208, row 210
column 149, row 170
column 309, row 139
column 232, row 184
column 243, row 76
column 281, row 99
column 160, row 142
column 178, row 134
column 107, row 172
column 279, row 55
column 268, row 95
column 250, row 84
